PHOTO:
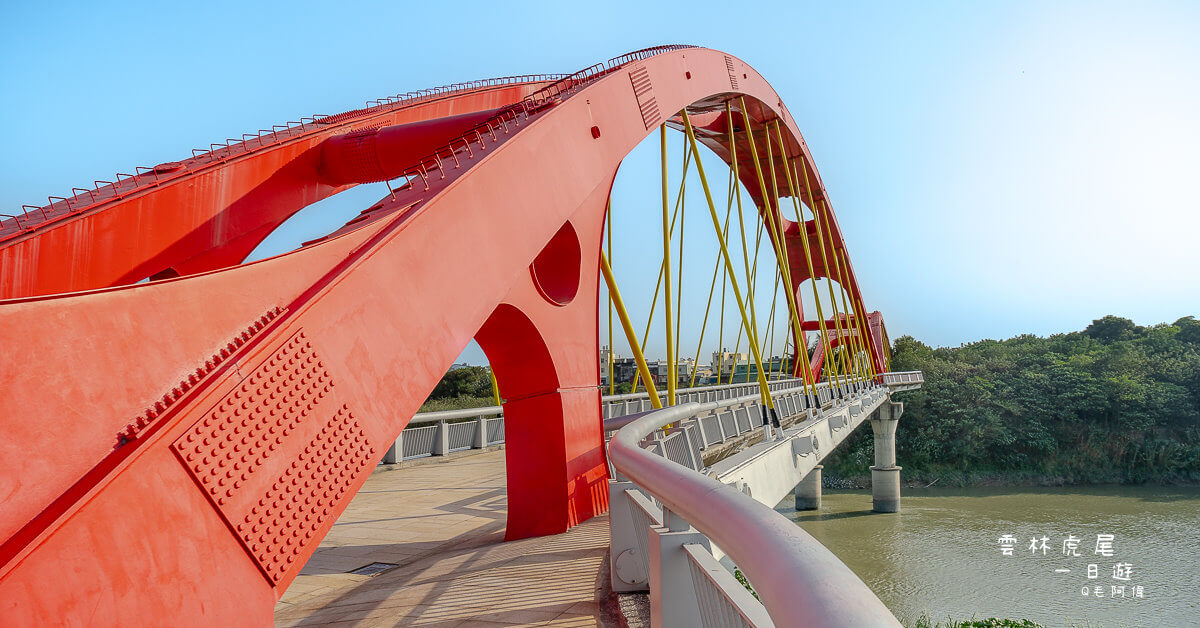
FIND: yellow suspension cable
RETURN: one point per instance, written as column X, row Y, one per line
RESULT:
column 753, row 283
column 803, row 237
column 769, row 334
column 860, row 317
column 775, row 220
column 820, row 238
column 495, row 386
column 781, row 254
column 679, row 296
column 712, row 288
column 612, row 382
column 855, row 339
column 666, row 232
column 661, row 269
column 736, row 345
column 721, row 326
column 839, row 365
column 614, row 295
column 764, row 389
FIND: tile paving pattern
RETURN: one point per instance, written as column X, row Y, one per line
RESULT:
column 443, row 524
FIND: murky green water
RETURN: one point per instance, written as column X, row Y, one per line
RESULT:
column 942, row 554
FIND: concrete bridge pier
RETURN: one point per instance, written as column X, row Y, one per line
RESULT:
column 885, row 475
column 808, row 491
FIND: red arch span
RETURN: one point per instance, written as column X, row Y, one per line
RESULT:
column 186, row 443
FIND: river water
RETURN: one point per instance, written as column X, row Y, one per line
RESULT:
column 942, row 554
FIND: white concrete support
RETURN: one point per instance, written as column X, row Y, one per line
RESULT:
column 627, row 564
column 480, row 433
column 441, row 439
column 808, row 491
column 395, row 453
column 885, row 475
column 673, row 601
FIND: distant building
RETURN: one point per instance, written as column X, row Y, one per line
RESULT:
column 604, row 354
column 724, row 363
column 458, row 365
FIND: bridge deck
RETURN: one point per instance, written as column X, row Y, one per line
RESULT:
column 443, row 524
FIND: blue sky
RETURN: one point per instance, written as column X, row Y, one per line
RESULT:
column 998, row 168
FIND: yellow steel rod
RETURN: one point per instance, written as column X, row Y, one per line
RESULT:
column 771, row 320
column 495, row 386
column 775, row 221
column 855, row 338
column 781, row 246
column 737, row 344
column 838, row 365
column 737, row 293
column 803, row 237
column 820, row 238
column 612, row 382
column 712, row 288
column 860, row 317
column 679, row 297
column 666, row 233
column 661, row 267
column 631, row 336
column 753, row 283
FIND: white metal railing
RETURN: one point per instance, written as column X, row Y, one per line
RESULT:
column 904, row 377
column 721, row 597
column 799, row 580
column 439, row 433
column 445, row 431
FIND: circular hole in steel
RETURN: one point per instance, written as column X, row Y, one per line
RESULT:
column 556, row 269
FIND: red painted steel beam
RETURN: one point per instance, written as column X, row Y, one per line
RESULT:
column 185, row 444
column 209, row 212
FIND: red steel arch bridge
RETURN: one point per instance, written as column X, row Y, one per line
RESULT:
column 177, row 447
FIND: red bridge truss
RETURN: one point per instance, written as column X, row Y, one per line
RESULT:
column 174, row 450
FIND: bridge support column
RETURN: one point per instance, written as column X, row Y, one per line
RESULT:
column 808, row 491
column 885, row 475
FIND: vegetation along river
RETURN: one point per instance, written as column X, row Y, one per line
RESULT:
column 943, row 555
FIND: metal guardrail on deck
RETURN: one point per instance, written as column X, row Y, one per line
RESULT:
column 439, row 433
column 799, row 580
column 904, row 377
column 656, row 456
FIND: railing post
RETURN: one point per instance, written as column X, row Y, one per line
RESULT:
column 700, row 431
column 627, row 567
column 481, row 440
column 395, row 453
column 692, row 450
column 441, row 439
column 673, row 601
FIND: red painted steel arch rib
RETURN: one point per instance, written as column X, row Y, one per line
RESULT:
column 185, row 444
column 211, row 211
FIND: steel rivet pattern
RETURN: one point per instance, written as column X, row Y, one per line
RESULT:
column 303, row 497
column 134, row 429
column 244, row 429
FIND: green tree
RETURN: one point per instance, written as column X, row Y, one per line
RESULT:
column 1110, row 328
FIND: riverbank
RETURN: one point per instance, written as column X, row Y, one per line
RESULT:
column 832, row 479
column 941, row 556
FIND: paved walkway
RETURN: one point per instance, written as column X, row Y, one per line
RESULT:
column 443, row 524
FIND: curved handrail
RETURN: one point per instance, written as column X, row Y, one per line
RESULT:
column 799, row 580
column 470, row 413
column 903, row 377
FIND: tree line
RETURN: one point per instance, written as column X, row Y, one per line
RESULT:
column 1116, row 402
